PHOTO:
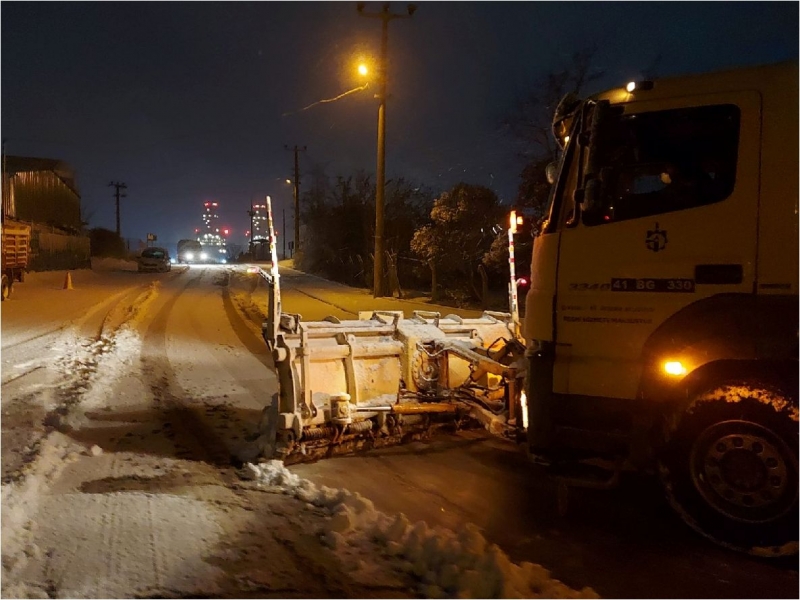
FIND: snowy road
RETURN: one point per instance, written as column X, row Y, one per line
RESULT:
column 125, row 398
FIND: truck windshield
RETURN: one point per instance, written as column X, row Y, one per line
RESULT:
column 669, row 160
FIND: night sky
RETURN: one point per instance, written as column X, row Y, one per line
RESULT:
column 186, row 102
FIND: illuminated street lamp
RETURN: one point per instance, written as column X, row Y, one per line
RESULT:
column 385, row 16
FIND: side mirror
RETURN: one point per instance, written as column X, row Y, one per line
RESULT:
column 550, row 173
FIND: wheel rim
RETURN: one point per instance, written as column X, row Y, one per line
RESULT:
column 744, row 471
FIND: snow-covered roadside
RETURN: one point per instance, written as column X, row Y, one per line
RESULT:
column 87, row 377
column 445, row 563
column 113, row 264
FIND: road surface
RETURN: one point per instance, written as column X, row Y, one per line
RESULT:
column 129, row 400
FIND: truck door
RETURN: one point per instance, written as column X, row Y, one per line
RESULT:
column 676, row 222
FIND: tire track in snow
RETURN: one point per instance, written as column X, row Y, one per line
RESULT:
column 27, row 419
column 55, row 330
column 64, row 335
column 119, row 317
column 191, row 431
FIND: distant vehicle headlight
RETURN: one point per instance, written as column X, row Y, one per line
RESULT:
column 189, row 256
column 224, row 262
column 203, row 256
column 172, row 261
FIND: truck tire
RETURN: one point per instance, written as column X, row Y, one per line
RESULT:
column 21, row 275
column 6, row 287
column 730, row 470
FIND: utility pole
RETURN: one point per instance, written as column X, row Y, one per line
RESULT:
column 296, row 196
column 119, row 186
column 284, row 234
column 5, row 192
column 251, row 213
column 385, row 16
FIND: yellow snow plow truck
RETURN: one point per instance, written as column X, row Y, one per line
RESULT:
column 661, row 326
column 662, row 319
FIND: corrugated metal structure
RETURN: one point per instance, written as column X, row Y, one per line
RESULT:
column 42, row 193
column 42, row 190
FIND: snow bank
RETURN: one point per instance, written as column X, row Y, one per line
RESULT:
column 113, row 264
column 447, row 564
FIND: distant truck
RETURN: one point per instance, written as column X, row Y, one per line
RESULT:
column 16, row 250
column 190, row 251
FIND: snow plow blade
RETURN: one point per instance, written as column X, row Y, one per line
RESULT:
column 383, row 379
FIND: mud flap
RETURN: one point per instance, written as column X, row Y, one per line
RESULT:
column 540, row 395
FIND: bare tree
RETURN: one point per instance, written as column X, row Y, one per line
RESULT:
column 531, row 120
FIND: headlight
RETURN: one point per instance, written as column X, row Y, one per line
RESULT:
column 675, row 368
column 172, row 261
column 189, row 256
column 224, row 261
column 203, row 256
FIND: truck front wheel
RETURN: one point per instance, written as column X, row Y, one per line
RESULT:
column 6, row 286
column 730, row 469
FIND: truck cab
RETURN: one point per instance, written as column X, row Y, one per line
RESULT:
column 662, row 319
column 190, row 251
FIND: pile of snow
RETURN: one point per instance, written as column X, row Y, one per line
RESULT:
column 113, row 264
column 448, row 564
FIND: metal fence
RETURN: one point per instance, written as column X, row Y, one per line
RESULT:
column 52, row 250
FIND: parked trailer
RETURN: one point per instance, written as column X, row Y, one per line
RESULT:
column 16, row 250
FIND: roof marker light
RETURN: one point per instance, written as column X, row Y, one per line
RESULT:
column 639, row 86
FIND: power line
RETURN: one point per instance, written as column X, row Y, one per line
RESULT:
column 327, row 100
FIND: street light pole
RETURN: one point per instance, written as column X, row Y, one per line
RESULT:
column 385, row 16
column 251, row 213
column 296, row 149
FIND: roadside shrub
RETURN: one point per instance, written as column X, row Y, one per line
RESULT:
column 106, row 243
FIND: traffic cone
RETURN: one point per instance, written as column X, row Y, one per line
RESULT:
column 68, row 281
